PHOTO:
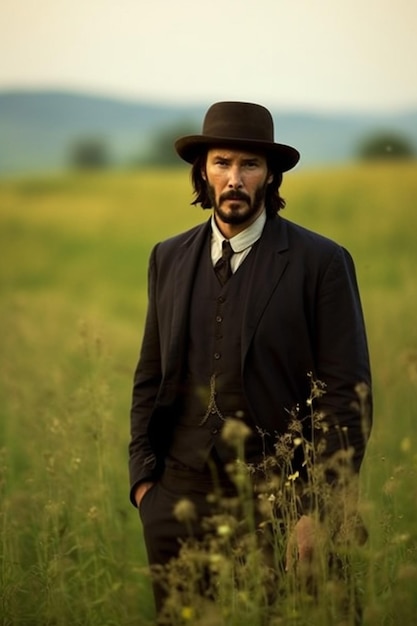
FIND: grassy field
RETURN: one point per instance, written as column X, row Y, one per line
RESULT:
column 73, row 298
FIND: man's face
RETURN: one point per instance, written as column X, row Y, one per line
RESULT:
column 237, row 183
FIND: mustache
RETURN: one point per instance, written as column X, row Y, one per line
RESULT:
column 234, row 195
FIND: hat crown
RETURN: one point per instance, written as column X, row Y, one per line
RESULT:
column 238, row 120
column 240, row 125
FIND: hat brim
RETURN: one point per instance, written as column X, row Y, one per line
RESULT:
column 283, row 156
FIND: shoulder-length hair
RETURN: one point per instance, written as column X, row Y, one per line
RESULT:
column 273, row 201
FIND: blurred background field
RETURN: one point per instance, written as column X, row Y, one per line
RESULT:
column 73, row 298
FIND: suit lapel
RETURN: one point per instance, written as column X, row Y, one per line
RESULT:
column 270, row 262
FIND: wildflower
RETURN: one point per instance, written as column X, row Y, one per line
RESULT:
column 362, row 391
column 266, row 506
column 235, row 432
column 294, row 476
column 239, row 473
column 295, row 427
column 187, row 613
column 50, row 463
column 318, row 387
column 56, row 427
column 215, row 558
column 400, row 538
column 407, row 571
column 52, row 507
column 184, row 511
column 224, row 530
column 298, row 441
column 92, row 513
column 390, row 486
column 243, row 597
column 75, row 463
column 319, row 421
column 406, row 444
column 284, row 448
column 217, row 562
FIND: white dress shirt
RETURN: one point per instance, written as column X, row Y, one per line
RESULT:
column 241, row 243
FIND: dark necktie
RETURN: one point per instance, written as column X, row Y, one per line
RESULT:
column 223, row 268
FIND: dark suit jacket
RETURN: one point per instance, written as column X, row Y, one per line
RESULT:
column 302, row 314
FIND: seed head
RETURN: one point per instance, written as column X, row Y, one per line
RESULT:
column 184, row 511
column 235, row 432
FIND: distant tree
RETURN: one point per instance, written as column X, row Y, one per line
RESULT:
column 163, row 151
column 385, row 146
column 89, row 153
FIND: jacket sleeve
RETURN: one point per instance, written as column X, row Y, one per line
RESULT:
column 147, row 378
column 341, row 400
column 343, row 361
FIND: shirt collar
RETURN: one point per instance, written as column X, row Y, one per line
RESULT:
column 245, row 238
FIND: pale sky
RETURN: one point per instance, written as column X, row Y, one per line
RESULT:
column 320, row 55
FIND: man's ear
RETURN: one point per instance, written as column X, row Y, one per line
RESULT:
column 203, row 174
column 269, row 179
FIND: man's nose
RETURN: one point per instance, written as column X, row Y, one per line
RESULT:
column 235, row 178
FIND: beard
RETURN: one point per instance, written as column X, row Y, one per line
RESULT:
column 237, row 214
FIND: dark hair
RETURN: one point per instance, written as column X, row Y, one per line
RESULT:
column 273, row 201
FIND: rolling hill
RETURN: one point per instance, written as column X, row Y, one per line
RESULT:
column 39, row 128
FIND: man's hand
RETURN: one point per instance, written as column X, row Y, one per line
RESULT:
column 141, row 490
column 305, row 539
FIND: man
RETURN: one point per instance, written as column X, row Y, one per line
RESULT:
column 244, row 312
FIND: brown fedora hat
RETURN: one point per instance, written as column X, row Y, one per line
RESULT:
column 240, row 125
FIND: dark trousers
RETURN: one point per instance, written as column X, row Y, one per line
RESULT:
column 163, row 532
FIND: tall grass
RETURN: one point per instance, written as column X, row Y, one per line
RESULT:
column 73, row 299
